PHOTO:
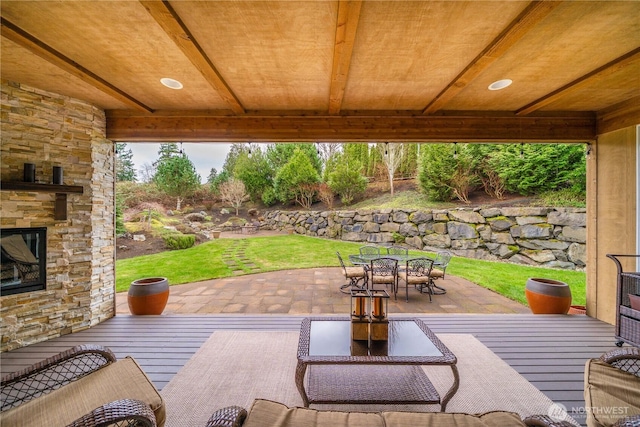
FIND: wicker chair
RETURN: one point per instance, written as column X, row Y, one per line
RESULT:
column 60, row 382
column 613, row 381
column 385, row 271
column 354, row 275
column 418, row 273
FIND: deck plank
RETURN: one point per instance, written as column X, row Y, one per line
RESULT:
column 549, row 351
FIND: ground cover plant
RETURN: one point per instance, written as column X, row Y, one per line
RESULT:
column 288, row 252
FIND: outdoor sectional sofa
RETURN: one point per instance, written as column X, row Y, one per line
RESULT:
column 86, row 386
column 265, row 413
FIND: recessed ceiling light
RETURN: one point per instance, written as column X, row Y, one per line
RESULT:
column 500, row 84
column 171, row 83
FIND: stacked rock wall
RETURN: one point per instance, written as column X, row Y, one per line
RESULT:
column 542, row 236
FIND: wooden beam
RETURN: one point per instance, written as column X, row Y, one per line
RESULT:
column 348, row 17
column 619, row 116
column 607, row 69
column 518, row 28
column 409, row 128
column 37, row 47
column 171, row 23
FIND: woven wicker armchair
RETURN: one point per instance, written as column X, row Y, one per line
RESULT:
column 70, row 380
column 613, row 381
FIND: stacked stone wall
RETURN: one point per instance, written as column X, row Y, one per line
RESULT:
column 539, row 236
column 48, row 129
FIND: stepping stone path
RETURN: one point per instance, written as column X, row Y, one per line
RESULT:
column 236, row 259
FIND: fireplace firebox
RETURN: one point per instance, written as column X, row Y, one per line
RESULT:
column 24, row 260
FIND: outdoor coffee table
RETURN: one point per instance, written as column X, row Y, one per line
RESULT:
column 383, row 372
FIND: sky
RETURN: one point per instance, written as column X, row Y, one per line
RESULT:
column 204, row 156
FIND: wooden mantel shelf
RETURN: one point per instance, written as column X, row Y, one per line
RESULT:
column 60, row 210
column 37, row 187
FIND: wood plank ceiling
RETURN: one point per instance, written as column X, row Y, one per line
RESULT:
column 334, row 70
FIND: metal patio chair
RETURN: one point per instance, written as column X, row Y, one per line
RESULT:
column 440, row 263
column 385, row 271
column 354, row 274
column 418, row 273
column 369, row 250
column 397, row 250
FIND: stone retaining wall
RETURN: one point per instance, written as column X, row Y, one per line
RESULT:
column 47, row 129
column 540, row 236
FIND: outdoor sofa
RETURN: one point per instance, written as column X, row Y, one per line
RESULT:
column 87, row 386
column 265, row 413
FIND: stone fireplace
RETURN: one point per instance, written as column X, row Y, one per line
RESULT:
column 49, row 130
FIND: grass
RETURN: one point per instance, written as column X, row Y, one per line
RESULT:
column 401, row 200
column 288, row 252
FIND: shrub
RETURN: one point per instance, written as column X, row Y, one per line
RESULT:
column 398, row 238
column 269, row 197
column 179, row 241
column 347, row 181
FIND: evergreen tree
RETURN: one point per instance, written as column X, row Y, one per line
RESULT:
column 166, row 151
column 295, row 180
column 176, row 176
column 279, row 155
column 254, row 171
column 125, row 169
column 347, row 180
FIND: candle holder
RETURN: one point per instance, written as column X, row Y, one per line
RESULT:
column 57, row 175
column 360, row 300
column 29, row 172
column 379, row 327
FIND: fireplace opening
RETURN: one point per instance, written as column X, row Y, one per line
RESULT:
column 24, row 260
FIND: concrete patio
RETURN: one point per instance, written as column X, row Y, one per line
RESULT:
column 316, row 291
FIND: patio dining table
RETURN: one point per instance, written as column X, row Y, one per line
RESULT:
column 365, row 261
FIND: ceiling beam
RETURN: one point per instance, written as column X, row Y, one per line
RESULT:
column 410, row 128
column 347, row 25
column 535, row 12
column 606, row 70
column 171, row 23
column 19, row 36
column 619, row 116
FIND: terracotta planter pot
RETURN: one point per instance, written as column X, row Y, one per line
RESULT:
column 148, row 296
column 577, row 309
column 216, row 234
column 547, row 296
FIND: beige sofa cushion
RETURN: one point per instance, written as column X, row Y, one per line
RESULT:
column 443, row 419
column 609, row 393
column 265, row 413
column 123, row 379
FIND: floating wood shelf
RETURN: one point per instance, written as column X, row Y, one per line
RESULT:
column 60, row 210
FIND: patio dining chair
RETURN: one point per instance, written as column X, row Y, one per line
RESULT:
column 385, row 271
column 369, row 250
column 354, row 274
column 418, row 273
column 440, row 263
column 397, row 250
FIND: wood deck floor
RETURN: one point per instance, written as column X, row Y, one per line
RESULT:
column 549, row 351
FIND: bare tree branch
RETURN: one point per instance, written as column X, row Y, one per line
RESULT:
column 233, row 192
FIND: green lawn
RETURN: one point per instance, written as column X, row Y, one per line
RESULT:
column 288, row 252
